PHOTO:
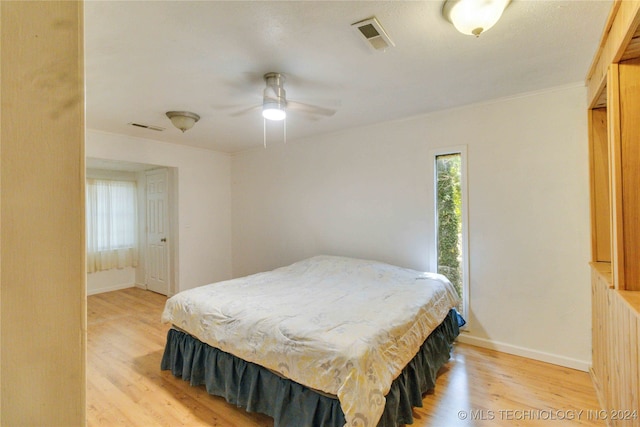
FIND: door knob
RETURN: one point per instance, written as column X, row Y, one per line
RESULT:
column 164, row 239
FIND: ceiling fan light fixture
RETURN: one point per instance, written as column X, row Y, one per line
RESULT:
column 273, row 111
column 473, row 17
column 274, row 101
column 183, row 120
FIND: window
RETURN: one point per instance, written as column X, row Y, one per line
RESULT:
column 451, row 221
column 112, row 217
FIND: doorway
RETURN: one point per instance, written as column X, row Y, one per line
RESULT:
column 157, row 232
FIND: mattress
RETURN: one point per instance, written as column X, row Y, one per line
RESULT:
column 343, row 326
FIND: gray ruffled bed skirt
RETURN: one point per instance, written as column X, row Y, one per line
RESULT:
column 257, row 389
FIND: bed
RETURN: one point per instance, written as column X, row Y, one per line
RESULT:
column 327, row 341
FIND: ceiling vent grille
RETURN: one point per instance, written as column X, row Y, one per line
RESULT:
column 143, row 126
column 376, row 37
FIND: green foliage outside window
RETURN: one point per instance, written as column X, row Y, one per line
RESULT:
column 449, row 208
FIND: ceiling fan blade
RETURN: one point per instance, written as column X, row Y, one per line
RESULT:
column 310, row 109
column 245, row 111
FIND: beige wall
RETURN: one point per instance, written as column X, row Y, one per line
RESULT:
column 42, row 288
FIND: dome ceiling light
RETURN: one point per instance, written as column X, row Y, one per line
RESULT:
column 183, row 120
column 473, row 17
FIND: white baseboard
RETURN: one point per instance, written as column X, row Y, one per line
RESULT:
column 109, row 289
column 140, row 286
column 554, row 359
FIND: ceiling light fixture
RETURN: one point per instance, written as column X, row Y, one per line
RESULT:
column 183, row 120
column 274, row 100
column 273, row 111
column 473, row 17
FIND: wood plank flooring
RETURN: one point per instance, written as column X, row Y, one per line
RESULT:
column 478, row 387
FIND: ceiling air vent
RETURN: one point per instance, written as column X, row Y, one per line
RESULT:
column 143, row 126
column 373, row 33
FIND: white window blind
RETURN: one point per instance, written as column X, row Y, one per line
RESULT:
column 112, row 218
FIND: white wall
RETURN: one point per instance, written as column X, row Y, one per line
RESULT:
column 111, row 280
column 204, row 209
column 368, row 193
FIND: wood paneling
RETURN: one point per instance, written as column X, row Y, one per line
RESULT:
column 615, row 174
column 42, row 211
column 600, row 201
column 619, row 31
column 0, row 218
column 615, row 293
column 602, row 354
column 633, row 49
column 616, row 345
column 629, row 98
column 623, row 106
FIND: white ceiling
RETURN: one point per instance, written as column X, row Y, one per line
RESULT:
column 144, row 58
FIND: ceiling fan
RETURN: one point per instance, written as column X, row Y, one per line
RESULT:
column 275, row 103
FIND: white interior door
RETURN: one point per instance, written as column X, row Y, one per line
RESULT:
column 157, row 253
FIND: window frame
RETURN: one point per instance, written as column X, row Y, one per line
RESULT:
column 464, row 189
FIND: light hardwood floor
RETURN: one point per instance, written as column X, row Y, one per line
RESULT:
column 125, row 386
